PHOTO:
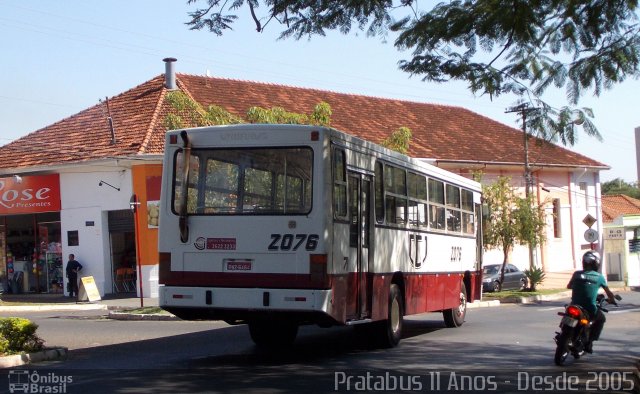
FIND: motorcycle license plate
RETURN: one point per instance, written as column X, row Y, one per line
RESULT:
column 568, row 321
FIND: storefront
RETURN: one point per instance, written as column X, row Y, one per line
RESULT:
column 30, row 234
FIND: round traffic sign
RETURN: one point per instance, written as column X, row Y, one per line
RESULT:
column 591, row 235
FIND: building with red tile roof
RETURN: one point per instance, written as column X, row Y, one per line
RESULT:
column 616, row 205
column 621, row 215
column 112, row 150
column 441, row 134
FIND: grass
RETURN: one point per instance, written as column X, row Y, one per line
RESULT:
column 147, row 310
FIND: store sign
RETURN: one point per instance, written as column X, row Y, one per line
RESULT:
column 29, row 194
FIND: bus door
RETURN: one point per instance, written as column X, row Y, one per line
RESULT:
column 360, row 185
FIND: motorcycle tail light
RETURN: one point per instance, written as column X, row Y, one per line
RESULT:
column 573, row 311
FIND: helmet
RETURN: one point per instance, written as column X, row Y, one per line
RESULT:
column 591, row 261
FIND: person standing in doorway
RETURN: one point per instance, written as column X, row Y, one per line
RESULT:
column 73, row 266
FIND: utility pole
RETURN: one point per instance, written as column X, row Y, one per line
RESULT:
column 524, row 109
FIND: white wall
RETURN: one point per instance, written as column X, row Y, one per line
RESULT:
column 83, row 200
column 563, row 253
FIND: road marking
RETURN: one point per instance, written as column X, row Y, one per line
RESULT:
column 624, row 311
column 553, row 308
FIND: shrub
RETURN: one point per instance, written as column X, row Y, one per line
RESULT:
column 535, row 276
column 19, row 335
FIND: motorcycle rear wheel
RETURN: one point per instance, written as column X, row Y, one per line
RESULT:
column 562, row 349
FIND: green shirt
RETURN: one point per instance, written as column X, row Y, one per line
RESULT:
column 585, row 286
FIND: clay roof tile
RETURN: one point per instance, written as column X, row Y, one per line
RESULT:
column 440, row 132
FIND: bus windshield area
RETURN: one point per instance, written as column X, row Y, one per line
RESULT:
column 248, row 181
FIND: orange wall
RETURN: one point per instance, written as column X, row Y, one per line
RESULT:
column 146, row 185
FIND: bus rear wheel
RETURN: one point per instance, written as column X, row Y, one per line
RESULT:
column 454, row 317
column 390, row 330
column 272, row 333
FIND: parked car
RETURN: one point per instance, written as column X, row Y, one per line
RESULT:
column 513, row 278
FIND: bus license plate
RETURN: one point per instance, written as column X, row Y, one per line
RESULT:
column 238, row 265
column 569, row 321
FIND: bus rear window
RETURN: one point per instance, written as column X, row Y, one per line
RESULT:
column 247, row 181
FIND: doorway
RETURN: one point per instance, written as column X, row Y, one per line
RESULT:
column 359, row 241
column 123, row 251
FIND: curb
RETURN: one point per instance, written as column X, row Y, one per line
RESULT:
column 537, row 298
column 115, row 315
column 27, row 358
column 53, row 307
column 483, row 304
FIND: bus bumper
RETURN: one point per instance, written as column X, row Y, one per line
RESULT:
column 250, row 299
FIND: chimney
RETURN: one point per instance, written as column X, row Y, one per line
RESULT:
column 169, row 73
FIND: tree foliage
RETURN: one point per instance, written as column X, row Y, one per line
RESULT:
column 186, row 112
column 618, row 186
column 511, row 219
column 399, row 140
column 522, row 47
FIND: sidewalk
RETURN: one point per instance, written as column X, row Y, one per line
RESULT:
column 58, row 302
column 12, row 303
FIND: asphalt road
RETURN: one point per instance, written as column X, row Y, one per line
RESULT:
column 506, row 349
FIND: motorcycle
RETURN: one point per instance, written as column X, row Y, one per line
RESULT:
column 575, row 328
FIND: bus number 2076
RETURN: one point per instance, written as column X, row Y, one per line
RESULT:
column 293, row 241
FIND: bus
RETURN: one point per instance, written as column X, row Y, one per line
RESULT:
column 277, row 226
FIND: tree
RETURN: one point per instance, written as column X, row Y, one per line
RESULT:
column 512, row 220
column 188, row 113
column 398, row 140
column 497, row 46
column 618, row 186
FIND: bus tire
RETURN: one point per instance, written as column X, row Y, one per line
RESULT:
column 390, row 330
column 272, row 333
column 454, row 317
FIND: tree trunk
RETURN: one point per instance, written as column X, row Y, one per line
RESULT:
column 505, row 259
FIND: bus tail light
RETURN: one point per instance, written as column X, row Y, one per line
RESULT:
column 318, row 270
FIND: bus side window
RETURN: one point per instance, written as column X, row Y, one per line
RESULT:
column 395, row 185
column 417, row 200
column 339, row 184
column 468, row 219
column 379, row 193
column 453, row 209
column 436, row 205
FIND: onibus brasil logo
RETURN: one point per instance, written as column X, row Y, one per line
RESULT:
column 25, row 381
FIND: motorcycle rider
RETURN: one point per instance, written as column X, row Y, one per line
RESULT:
column 584, row 287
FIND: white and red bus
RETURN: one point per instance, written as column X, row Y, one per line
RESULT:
column 282, row 225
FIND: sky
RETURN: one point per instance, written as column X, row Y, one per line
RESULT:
column 61, row 57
